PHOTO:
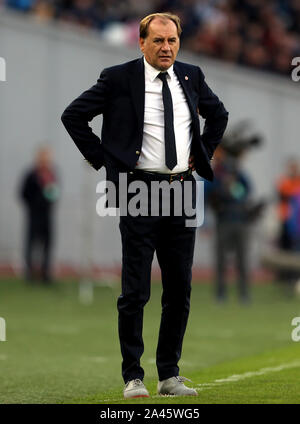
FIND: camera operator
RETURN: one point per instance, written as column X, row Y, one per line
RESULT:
column 229, row 197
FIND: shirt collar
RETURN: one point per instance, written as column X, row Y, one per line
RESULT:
column 152, row 73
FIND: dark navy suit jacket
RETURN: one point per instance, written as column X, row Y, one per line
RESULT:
column 119, row 95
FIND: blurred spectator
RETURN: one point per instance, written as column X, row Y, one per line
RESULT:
column 44, row 10
column 263, row 35
column 256, row 56
column 39, row 192
column 22, row 5
column 228, row 196
column 288, row 189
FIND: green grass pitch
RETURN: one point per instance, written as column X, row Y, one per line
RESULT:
column 61, row 351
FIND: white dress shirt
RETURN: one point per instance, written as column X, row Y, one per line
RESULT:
column 152, row 157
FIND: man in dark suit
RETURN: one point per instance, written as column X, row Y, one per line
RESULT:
column 151, row 132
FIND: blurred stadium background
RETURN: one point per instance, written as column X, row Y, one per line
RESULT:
column 52, row 57
column 56, row 49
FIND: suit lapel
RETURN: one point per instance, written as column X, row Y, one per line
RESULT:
column 137, row 88
column 197, row 144
column 184, row 80
column 181, row 75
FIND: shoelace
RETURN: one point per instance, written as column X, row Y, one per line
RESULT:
column 136, row 382
column 182, row 379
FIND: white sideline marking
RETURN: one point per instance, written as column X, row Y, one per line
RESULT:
column 232, row 378
column 249, row 374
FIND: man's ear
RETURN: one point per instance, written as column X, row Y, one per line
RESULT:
column 141, row 43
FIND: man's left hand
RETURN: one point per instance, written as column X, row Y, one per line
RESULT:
column 192, row 163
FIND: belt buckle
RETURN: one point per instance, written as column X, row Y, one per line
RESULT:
column 171, row 178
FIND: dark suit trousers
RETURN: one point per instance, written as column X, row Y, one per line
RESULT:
column 174, row 246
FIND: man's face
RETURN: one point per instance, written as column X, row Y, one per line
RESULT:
column 161, row 46
column 44, row 158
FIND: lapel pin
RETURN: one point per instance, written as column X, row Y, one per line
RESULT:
column 186, row 78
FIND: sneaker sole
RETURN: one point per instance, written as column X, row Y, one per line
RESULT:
column 137, row 396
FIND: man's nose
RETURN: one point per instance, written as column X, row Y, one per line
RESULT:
column 166, row 46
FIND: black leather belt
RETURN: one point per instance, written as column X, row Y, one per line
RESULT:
column 155, row 176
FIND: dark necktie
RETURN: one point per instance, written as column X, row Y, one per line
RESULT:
column 170, row 145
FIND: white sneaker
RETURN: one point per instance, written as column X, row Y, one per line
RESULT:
column 135, row 389
column 174, row 387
